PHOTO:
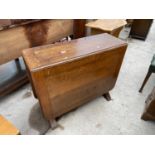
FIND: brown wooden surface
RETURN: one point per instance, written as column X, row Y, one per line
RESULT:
column 79, row 29
column 67, row 75
column 114, row 32
column 149, row 112
column 129, row 22
column 140, row 28
column 7, row 23
column 111, row 26
column 107, row 25
column 7, row 128
column 51, row 55
column 14, row 40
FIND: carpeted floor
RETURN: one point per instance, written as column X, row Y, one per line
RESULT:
column 119, row 116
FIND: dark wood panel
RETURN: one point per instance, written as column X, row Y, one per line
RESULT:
column 79, row 29
column 149, row 112
column 140, row 28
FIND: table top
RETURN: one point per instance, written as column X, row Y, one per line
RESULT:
column 54, row 54
column 107, row 24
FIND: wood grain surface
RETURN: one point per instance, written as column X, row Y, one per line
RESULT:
column 14, row 40
column 67, row 75
column 107, row 24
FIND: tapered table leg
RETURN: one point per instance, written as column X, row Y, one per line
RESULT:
column 107, row 96
column 145, row 80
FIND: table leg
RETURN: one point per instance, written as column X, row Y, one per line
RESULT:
column 107, row 96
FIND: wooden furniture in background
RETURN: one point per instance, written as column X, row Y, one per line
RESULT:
column 7, row 128
column 12, row 76
column 10, row 23
column 111, row 26
column 15, row 38
column 129, row 22
column 67, row 75
column 150, row 71
column 149, row 112
column 79, row 28
column 140, row 28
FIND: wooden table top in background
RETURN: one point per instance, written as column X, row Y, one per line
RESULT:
column 107, row 24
